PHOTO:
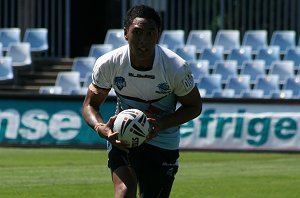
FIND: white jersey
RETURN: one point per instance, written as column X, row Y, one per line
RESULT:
column 153, row 90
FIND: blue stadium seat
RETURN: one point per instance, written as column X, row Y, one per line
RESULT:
column 210, row 83
column 38, row 39
column 83, row 65
column 229, row 39
column 213, row 55
column 252, row 93
column 223, row 93
column 226, row 69
column 238, row 84
column 293, row 84
column 200, row 38
column 257, row 39
column 242, row 54
column 199, row 69
column 284, row 39
column 187, row 52
column 20, row 54
column 293, row 54
column 68, row 81
column 172, row 38
column 1, row 50
column 9, row 36
column 97, row 50
column 57, row 90
column 254, row 69
column 282, row 94
column 268, row 84
column 284, row 69
column 115, row 37
column 6, row 69
column 269, row 54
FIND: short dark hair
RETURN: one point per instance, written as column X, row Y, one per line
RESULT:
column 142, row 11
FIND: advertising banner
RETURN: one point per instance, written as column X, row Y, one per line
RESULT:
column 47, row 122
column 221, row 126
column 238, row 126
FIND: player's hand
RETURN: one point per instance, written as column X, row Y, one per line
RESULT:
column 153, row 129
column 112, row 136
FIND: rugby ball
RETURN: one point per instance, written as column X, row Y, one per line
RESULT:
column 133, row 127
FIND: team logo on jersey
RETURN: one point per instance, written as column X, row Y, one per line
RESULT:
column 163, row 88
column 120, row 82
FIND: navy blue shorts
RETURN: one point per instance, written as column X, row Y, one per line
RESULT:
column 155, row 168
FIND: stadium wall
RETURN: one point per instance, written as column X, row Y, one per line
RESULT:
column 227, row 124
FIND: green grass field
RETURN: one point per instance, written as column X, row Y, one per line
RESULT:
column 79, row 173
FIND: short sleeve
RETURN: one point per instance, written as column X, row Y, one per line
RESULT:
column 184, row 81
column 102, row 73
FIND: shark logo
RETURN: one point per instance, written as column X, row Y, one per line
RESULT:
column 120, row 82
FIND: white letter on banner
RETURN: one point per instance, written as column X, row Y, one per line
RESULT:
column 64, row 125
column 12, row 118
column 34, row 120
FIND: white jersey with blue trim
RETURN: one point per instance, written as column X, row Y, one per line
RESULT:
column 154, row 90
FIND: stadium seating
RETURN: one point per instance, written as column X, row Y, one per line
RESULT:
column 68, row 81
column 20, row 54
column 98, row 50
column 115, row 37
column 242, row 54
column 284, row 39
column 284, row 69
column 269, row 54
column 268, row 84
column 199, row 69
column 256, row 39
column 229, row 39
column 293, row 84
column 172, row 38
column 6, row 69
column 210, row 83
column 213, row 55
column 83, row 65
column 37, row 38
column 200, row 38
column 226, row 69
column 9, row 36
column 187, row 52
column 238, row 84
column 254, row 69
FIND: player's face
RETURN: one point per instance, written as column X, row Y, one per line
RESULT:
column 142, row 36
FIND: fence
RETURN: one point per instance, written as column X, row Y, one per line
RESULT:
column 177, row 14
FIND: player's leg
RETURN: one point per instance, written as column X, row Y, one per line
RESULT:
column 156, row 169
column 125, row 182
column 123, row 176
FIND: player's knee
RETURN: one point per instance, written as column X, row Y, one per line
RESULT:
column 125, row 190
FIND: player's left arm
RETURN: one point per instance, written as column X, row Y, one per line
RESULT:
column 191, row 107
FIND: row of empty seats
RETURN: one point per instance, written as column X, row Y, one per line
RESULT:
column 230, row 39
column 16, row 51
column 239, row 72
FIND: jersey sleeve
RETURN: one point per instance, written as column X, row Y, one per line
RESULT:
column 101, row 75
column 184, row 81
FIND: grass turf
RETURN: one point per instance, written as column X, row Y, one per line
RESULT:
column 80, row 173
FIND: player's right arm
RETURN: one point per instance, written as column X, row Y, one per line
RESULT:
column 94, row 98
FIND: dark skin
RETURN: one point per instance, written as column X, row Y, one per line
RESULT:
column 142, row 36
